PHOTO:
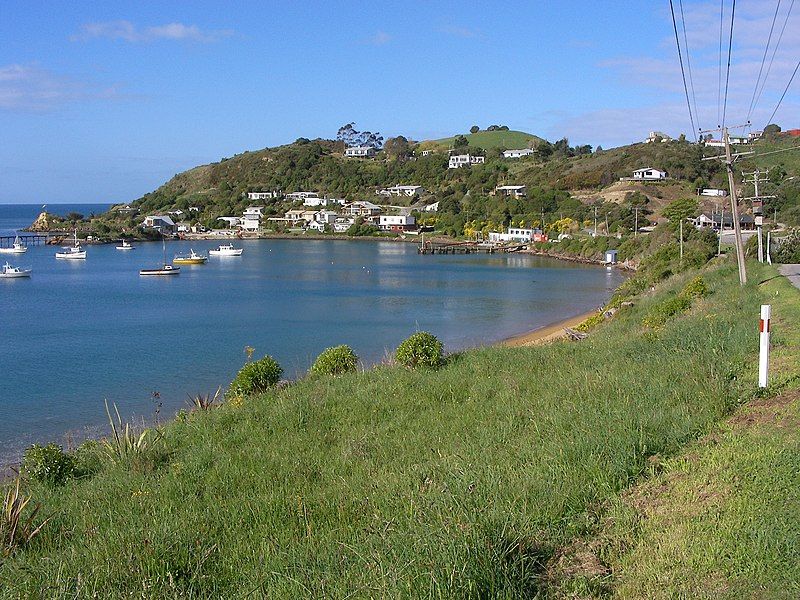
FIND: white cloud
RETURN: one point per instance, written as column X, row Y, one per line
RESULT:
column 128, row 32
column 31, row 88
column 380, row 38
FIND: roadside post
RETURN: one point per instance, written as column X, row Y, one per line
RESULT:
column 763, row 355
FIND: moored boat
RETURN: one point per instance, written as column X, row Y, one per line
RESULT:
column 74, row 252
column 17, row 248
column 226, row 250
column 190, row 259
column 126, row 246
column 162, row 270
column 9, row 272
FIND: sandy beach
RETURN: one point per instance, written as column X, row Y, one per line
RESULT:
column 546, row 334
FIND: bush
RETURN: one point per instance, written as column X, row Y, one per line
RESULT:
column 49, row 464
column 335, row 361
column 663, row 312
column 422, row 349
column 256, row 377
column 789, row 249
column 696, row 288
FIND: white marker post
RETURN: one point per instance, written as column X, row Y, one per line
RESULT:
column 763, row 355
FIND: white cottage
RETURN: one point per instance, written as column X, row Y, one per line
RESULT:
column 649, row 174
column 360, row 152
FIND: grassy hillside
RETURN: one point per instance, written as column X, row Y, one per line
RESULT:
column 463, row 481
column 488, row 140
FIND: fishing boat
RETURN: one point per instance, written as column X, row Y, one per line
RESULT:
column 9, row 272
column 165, row 268
column 17, row 248
column 226, row 250
column 126, row 246
column 190, row 259
column 74, row 252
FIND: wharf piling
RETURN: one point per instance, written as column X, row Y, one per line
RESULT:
column 29, row 239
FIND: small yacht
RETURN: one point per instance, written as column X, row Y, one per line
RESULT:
column 9, row 272
column 74, row 252
column 226, row 250
column 190, row 259
column 17, row 248
column 162, row 270
column 126, row 246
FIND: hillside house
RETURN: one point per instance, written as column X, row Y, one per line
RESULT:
column 518, row 153
column 298, row 196
column 397, row 223
column 326, row 217
column 516, row 234
column 161, row 223
column 511, row 191
column 465, row 160
column 250, row 222
column 657, row 135
column 713, row 219
column 232, row 222
column 402, row 190
column 342, row 224
column 253, row 211
column 296, row 216
column 361, row 208
column 713, row 192
column 434, row 207
column 360, row 152
column 427, row 152
column 649, row 174
column 262, row 195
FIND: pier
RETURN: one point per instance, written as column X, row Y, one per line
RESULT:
column 29, row 239
column 428, row 247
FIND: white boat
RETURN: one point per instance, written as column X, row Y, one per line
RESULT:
column 17, row 248
column 226, row 250
column 165, row 268
column 162, row 270
column 126, row 246
column 74, row 252
column 9, row 272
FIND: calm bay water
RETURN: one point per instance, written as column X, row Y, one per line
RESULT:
column 78, row 332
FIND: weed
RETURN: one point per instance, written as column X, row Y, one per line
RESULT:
column 124, row 445
column 16, row 530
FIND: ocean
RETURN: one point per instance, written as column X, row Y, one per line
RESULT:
column 78, row 333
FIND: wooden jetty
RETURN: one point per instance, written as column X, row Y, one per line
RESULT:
column 29, row 239
column 428, row 247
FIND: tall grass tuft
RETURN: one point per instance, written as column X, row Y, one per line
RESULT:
column 205, row 402
column 124, row 445
column 16, row 530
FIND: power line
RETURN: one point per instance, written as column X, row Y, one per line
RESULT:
column 763, row 60
column 774, row 51
column 689, row 66
column 728, row 72
column 680, row 59
column 784, row 93
column 719, row 71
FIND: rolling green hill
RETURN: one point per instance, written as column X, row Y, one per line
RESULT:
column 488, row 140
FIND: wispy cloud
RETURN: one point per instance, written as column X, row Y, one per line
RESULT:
column 460, row 31
column 128, row 32
column 380, row 38
column 32, row 88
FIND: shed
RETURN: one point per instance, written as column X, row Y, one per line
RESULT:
column 611, row 257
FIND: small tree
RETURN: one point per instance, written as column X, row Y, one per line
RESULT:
column 335, row 361
column 474, row 129
column 256, row 377
column 421, row 349
column 772, row 129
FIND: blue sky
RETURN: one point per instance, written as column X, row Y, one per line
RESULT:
column 102, row 102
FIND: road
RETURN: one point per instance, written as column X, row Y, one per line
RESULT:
column 792, row 273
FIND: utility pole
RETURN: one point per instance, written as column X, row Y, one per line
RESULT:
column 607, row 231
column 595, row 221
column 758, row 205
column 729, row 159
column 635, row 221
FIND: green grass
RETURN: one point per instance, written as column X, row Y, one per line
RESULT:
column 394, row 483
column 719, row 520
column 487, row 140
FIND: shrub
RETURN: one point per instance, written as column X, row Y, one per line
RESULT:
column 663, row 312
column 696, row 288
column 124, row 445
column 335, row 361
column 49, row 464
column 421, row 349
column 256, row 377
column 16, row 530
column 788, row 248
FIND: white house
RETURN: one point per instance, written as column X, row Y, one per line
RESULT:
column 518, row 153
column 513, row 234
column 713, row 192
column 434, row 207
column 251, row 222
column 231, row 221
column 657, row 135
column 514, row 191
column 297, row 196
column 714, row 143
column 397, row 222
column 326, row 217
column 160, row 223
column 360, row 152
column 317, row 226
column 253, row 211
column 427, row 152
column 262, row 195
column 361, row 208
column 649, row 174
column 342, row 224
column 464, row 160
column 402, row 190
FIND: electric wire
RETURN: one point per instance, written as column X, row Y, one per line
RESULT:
column 728, row 72
column 763, row 60
column 774, row 51
column 784, row 94
column 689, row 67
column 683, row 73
